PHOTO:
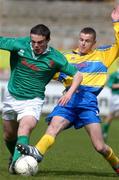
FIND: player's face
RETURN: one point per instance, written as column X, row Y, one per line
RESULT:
column 86, row 43
column 39, row 43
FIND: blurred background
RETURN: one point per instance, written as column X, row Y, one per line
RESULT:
column 64, row 18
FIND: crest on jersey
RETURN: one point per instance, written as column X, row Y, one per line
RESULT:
column 51, row 63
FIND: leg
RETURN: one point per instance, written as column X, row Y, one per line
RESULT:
column 26, row 125
column 55, row 127
column 106, row 125
column 114, row 108
column 59, row 119
column 10, row 128
column 28, row 117
column 95, row 133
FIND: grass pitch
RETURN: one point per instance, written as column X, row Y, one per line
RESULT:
column 71, row 158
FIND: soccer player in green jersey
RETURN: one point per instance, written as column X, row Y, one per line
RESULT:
column 33, row 64
column 113, row 84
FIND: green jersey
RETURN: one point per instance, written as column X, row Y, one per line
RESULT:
column 31, row 73
column 113, row 79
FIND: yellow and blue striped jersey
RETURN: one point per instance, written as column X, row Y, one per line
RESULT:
column 93, row 66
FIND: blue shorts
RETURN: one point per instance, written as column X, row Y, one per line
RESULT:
column 81, row 110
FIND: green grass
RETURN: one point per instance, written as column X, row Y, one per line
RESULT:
column 71, row 158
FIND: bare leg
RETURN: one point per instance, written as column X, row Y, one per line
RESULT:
column 10, row 134
column 95, row 133
column 106, row 125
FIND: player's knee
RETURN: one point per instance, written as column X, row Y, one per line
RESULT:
column 52, row 130
column 99, row 148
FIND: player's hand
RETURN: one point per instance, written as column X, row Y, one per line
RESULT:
column 115, row 13
column 64, row 99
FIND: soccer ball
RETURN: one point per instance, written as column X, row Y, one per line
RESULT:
column 26, row 166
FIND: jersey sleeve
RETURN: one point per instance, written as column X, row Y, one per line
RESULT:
column 63, row 78
column 69, row 69
column 11, row 44
column 66, row 71
column 7, row 43
column 110, row 53
column 64, row 66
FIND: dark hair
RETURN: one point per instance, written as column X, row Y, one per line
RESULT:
column 89, row 30
column 41, row 29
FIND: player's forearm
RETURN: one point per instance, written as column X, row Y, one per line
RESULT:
column 7, row 43
column 78, row 77
column 76, row 82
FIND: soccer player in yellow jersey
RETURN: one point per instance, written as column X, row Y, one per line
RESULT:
column 82, row 110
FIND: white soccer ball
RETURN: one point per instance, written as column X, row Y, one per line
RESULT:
column 26, row 166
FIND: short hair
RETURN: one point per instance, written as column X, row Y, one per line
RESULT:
column 89, row 30
column 41, row 29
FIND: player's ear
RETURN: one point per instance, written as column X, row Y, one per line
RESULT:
column 94, row 44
